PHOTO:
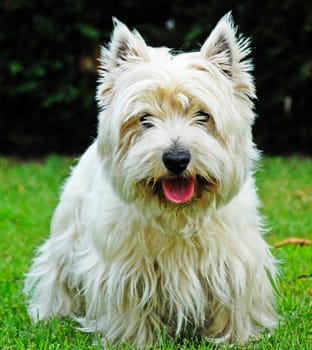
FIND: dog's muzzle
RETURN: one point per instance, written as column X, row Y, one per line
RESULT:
column 178, row 189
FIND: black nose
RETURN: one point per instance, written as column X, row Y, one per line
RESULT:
column 176, row 161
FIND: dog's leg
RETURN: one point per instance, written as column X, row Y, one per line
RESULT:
column 137, row 329
column 47, row 284
column 118, row 312
column 50, row 287
column 249, row 306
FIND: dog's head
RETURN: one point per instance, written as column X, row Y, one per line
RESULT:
column 176, row 129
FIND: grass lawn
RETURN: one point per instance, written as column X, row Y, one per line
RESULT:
column 29, row 193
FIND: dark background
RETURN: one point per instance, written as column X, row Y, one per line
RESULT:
column 48, row 61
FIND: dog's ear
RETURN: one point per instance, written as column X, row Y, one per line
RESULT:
column 229, row 52
column 125, row 46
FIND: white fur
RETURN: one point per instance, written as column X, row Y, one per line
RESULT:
column 124, row 261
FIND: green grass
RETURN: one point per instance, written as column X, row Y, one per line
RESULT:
column 29, row 193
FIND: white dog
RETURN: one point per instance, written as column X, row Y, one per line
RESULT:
column 157, row 228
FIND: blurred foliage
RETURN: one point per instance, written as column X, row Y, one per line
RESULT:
column 49, row 51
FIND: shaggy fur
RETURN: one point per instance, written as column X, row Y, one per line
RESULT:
column 135, row 248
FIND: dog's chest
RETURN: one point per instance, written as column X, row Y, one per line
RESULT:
column 164, row 275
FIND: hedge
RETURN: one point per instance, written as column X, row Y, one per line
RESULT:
column 48, row 64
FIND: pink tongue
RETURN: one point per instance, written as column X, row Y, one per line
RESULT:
column 178, row 190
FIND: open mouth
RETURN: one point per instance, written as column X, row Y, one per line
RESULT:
column 178, row 190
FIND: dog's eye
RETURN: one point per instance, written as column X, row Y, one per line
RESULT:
column 146, row 120
column 202, row 117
